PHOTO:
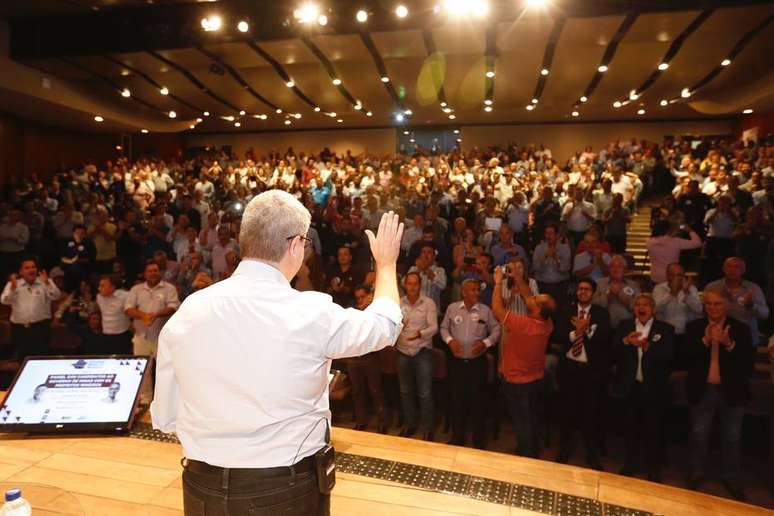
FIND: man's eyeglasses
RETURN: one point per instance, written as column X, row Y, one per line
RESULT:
column 307, row 241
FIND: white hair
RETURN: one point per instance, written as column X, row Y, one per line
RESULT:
column 269, row 220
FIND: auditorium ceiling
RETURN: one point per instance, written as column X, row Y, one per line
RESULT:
column 571, row 60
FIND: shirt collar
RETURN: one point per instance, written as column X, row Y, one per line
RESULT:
column 463, row 307
column 260, row 270
column 645, row 327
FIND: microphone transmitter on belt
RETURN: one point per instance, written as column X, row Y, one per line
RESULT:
column 325, row 462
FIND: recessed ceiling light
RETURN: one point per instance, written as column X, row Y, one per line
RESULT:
column 535, row 101
column 206, row 113
column 725, row 62
column 336, row 82
column 243, row 26
column 685, row 93
column 288, row 122
column 290, row 84
column 490, row 74
column 278, row 111
column 452, row 116
column 412, row 140
column 399, row 117
column 362, row 16
column 544, row 72
column 406, row 133
column 456, row 131
column 125, row 72
column 339, row 120
column 385, row 79
column 144, row 131
column 401, row 11
column 640, row 111
column 98, row 119
column 297, row 116
column 317, row 109
column 530, row 107
column 664, row 102
column 242, row 113
column 488, row 102
column 602, row 68
column 126, row 93
column 408, row 112
column 443, row 104
column 322, row 20
column 575, row 113
column 164, row 90
column 447, row 110
column 307, row 13
column 193, row 126
column 488, row 109
column 332, row 114
column 369, row 113
column 584, row 98
column 199, row 120
column 172, row 114
column 747, row 111
column 633, row 95
column 358, row 107
column 663, row 66
column 617, row 104
column 229, row 118
column 211, row 24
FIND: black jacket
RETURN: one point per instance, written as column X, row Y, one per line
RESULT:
column 597, row 347
column 735, row 365
column 655, row 360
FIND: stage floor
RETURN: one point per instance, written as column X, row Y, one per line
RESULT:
column 129, row 476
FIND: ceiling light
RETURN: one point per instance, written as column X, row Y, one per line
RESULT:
column 229, row 118
column 664, row 103
column 290, row 84
column 640, row 111
column 124, row 73
column 385, row 79
column 126, row 93
column 443, row 104
column 488, row 102
column 536, row 3
column 747, row 111
column 339, row 120
column 288, row 122
column 447, row 110
column 456, row 131
column 358, row 107
column 278, row 111
column 362, row 16
column 488, row 109
column 725, row 62
column 322, row 20
column 535, row 101
column 412, row 140
column 685, row 93
column 575, row 113
column 369, row 113
column 297, row 116
column 206, row 113
column 584, row 98
column 633, row 95
column 212, row 23
column 199, row 120
column 144, row 131
column 401, row 11
column 530, row 107
column 452, row 116
column 406, row 133
column 663, row 66
column 307, row 13
column 264, row 117
column 617, row 104
column 544, row 72
column 336, row 82
column 164, row 90
column 399, row 117
column 317, row 109
column 460, row 8
column 193, row 126
column 490, row 74
column 242, row 113
column 408, row 112
column 332, row 114
column 98, row 119
column 602, row 68
column 172, row 114
column 243, row 26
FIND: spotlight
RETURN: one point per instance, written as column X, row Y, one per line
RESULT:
column 456, row 131
column 747, row 111
column 242, row 113
column 332, row 114
column 530, row 107
column 191, row 126
column 307, row 13
column 369, row 113
column 602, row 68
column 362, row 16
column 633, row 95
column 237, row 124
column 164, row 90
column 447, row 110
column 340, row 120
column 640, row 111
column 399, row 117
column 490, row 74
column 408, row 112
column 98, row 119
column 126, row 93
column 535, row 101
column 290, row 84
column 172, row 114
column 228, row 118
column 297, row 116
column 584, row 99
column 664, row 103
column 412, row 140
column 317, row 109
column 385, row 79
column 544, row 72
column 575, row 114
column 261, row 117
column 288, row 122
column 336, row 81
column 452, row 116
column 401, row 11
column 488, row 109
column 144, row 131
column 685, row 93
column 617, row 104
column 725, row 62
column 663, row 66
column 243, row 26
column 488, row 102
column 358, row 107
column 199, row 120
column 406, row 133
column 322, row 20
column 212, row 23
column 278, row 111
column 206, row 113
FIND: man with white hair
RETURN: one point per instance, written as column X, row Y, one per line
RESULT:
column 243, row 366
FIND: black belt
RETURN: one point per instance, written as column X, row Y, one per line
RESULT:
column 302, row 466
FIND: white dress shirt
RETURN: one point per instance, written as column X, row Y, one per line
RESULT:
column 582, row 357
column 114, row 318
column 420, row 317
column 644, row 331
column 151, row 299
column 242, row 372
column 30, row 303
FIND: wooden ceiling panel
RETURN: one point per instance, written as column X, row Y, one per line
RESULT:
column 400, row 45
column 460, row 39
column 289, row 51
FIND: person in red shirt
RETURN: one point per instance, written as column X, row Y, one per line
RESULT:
column 522, row 360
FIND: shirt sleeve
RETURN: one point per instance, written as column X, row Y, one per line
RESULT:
column 432, row 321
column 760, row 309
column 166, row 395
column 131, row 300
column 353, row 333
column 8, row 295
column 52, row 291
column 172, row 300
column 494, row 330
column 445, row 326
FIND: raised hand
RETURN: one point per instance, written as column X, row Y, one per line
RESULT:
column 43, row 275
column 498, row 275
column 581, row 324
column 14, row 282
column 385, row 245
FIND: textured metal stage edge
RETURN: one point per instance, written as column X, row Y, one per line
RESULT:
column 448, row 482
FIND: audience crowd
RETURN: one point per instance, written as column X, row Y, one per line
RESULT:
column 517, row 284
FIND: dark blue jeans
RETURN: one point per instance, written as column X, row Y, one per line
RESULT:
column 730, row 417
column 415, row 375
column 523, row 402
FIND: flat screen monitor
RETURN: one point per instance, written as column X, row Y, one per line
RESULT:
column 74, row 393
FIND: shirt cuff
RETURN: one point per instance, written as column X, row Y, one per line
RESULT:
column 386, row 308
column 448, row 339
column 487, row 342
